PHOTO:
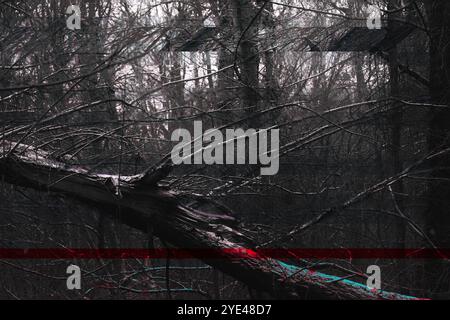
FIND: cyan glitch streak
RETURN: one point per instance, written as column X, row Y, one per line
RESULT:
column 291, row 270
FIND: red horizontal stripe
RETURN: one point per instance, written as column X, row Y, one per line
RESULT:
column 305, row 253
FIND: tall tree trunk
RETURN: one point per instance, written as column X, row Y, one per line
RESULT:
column 246, row 23
column 438, row 217
column 225, row 78
column 395, row 161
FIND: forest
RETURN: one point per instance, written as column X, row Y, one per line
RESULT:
column 224, row 149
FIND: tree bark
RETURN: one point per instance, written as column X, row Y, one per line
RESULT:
column 143, row 202
column 246, row 24
column 395, row 139
column 437, row 216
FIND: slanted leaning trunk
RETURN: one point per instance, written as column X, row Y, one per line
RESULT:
column 143, row 202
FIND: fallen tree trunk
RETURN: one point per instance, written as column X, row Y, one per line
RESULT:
column 143, row 202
